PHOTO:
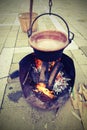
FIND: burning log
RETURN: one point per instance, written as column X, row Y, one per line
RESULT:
column 41, row 87
column 38, row 63
column 57, row 67
column 44, row 72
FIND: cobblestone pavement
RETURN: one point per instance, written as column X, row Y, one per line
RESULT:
column 17, row 114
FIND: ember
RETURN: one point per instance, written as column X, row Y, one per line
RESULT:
column 45, row 84
column 38, row 63
column 41, row 87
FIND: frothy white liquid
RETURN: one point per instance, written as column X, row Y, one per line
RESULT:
column 49, row 45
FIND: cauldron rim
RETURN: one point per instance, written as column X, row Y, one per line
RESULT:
column 48, row 35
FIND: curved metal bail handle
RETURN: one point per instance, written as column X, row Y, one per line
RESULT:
column 70, row 38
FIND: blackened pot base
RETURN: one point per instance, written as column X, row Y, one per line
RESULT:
column 39, row 100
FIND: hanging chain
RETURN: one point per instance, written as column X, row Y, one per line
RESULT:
column 50, row 5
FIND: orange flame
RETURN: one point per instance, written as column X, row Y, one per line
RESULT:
column 51, row 64
column 59, row 76
column 41, row 87
column 38, row 63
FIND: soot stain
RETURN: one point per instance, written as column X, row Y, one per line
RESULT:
column 15, row 96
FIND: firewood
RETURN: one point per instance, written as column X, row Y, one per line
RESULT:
column 84, row 88
column 57, row 67
column 43, row 73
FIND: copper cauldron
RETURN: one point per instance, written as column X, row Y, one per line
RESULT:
column 49, row 45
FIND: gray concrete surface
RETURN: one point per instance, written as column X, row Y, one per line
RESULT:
column 14, row 46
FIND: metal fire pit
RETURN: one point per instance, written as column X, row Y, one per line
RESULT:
column 28, row 83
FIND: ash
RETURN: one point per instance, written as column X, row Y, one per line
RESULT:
column 61, row 83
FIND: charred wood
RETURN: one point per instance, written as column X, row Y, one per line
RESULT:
column 57, row 67
column 44, row 73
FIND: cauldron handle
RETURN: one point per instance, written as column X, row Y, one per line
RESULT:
column 70, row 38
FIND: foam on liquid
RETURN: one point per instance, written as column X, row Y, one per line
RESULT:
column 49, row 45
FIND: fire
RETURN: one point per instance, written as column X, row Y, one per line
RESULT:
column 41, row 87
column 38, row 63
column 51, row 64
column 59, row 76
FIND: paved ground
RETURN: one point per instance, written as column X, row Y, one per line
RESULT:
column 17, row 114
